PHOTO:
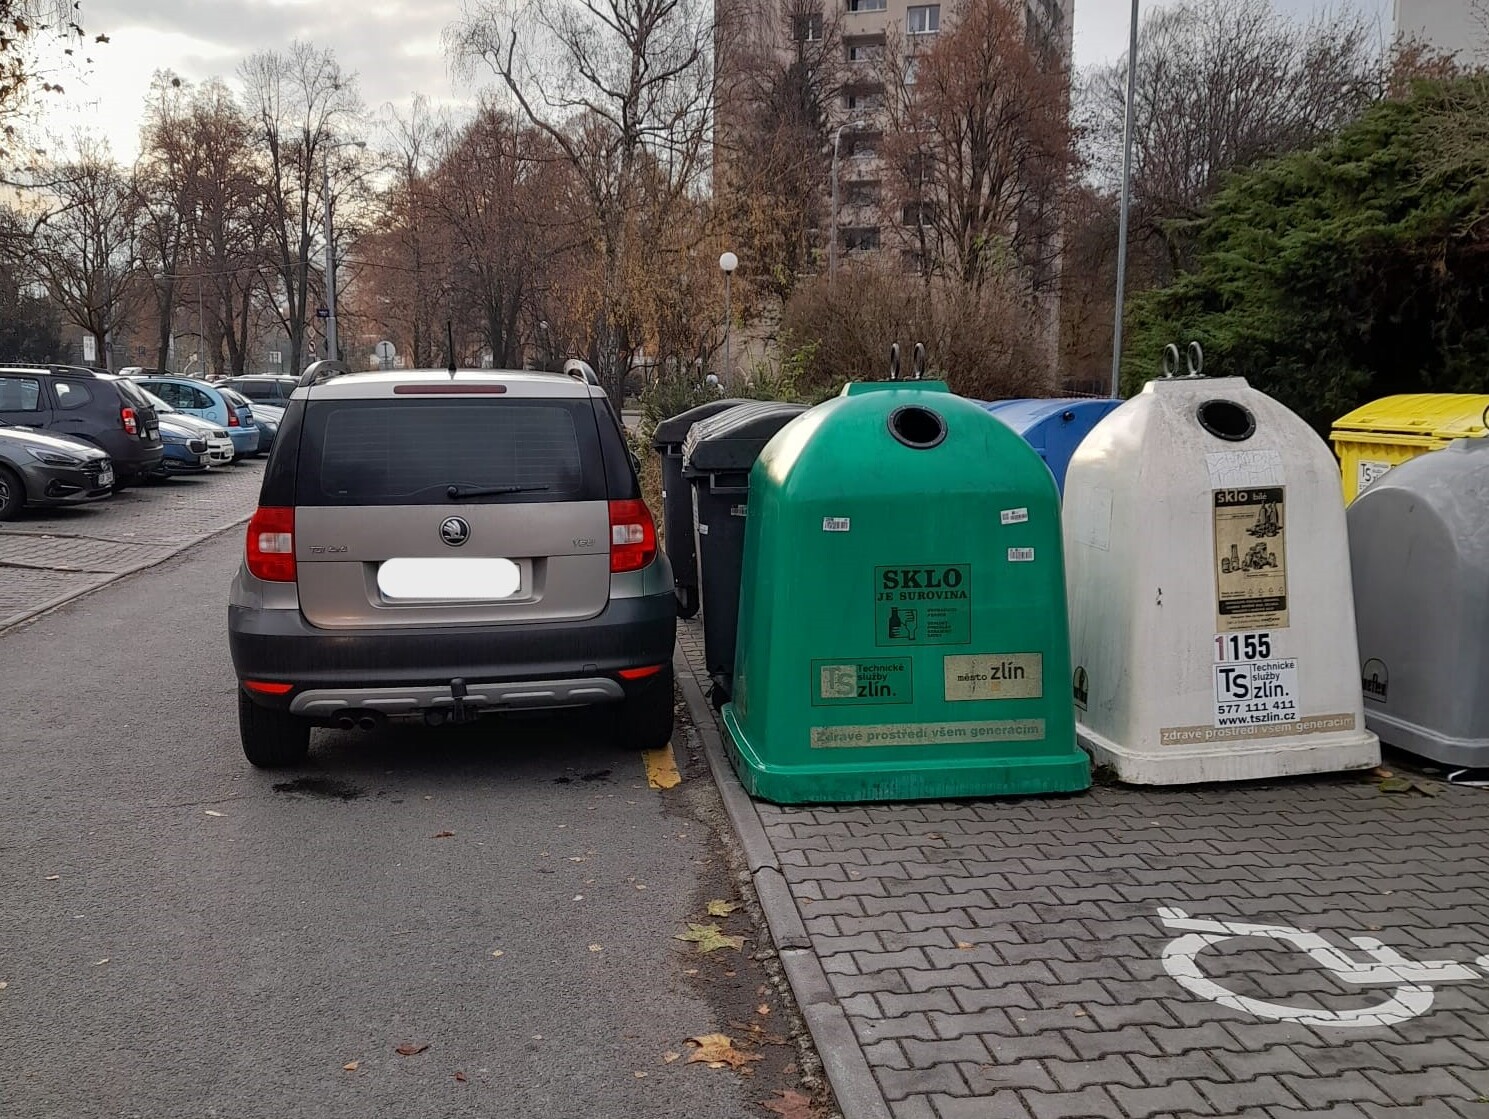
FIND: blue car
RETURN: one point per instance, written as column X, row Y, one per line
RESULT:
column 198, row 398
column 185, row 448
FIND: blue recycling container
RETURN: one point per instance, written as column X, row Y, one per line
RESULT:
column 1055, row 427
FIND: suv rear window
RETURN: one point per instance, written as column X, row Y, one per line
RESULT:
column 409, row 452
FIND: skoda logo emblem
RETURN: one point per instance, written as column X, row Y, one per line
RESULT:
column 454, row 531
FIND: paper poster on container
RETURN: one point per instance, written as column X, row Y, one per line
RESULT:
column 926, row 605
column 994, row 676
column 1250, row 559
column 862, row 682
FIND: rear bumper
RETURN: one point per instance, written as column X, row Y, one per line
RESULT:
column 546, row 665
column 245, row 439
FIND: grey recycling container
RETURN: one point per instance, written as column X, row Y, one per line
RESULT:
column 1420, row 556
column 677, row 501
column 717, row 456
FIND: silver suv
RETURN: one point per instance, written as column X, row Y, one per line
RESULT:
column 438, row 545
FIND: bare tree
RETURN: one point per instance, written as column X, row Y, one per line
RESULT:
column 980, row 145
column 301, row 103
column 408, row 238
column 624, row 90
column 85, row 245
column 163, row 182
column 1221, row 84
column 25, row 25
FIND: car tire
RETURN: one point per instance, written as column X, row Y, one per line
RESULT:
column 271, row 739
column 645, row 721
column 12, row 493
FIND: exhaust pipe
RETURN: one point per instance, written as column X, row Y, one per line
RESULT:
column 367, row 722
column 345, row 722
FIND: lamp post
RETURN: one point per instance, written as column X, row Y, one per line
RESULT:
column 832, row 245
column 728, row 262
column 1127, row 130
column 332, row 346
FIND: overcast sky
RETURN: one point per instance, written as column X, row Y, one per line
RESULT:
column 393, row 45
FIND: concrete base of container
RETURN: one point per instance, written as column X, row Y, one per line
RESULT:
column 938, row 778
column 1467, row 753
column 1233, row 760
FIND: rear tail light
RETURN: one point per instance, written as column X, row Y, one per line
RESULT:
column 639, row 673
column 126, row 417
column 271, row 544
column 633, row 536
column 268, row 687
column 232, row 418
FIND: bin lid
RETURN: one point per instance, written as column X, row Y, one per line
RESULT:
column 1443, row 415
column 734, row 439
column 675, row 430
column 1026, row 414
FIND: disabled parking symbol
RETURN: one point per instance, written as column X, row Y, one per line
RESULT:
column 1406, row 986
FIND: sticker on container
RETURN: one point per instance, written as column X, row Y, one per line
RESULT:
column 1243, row 647
column 928, row 734
column 1313, row 724
column 1250, row 559
column 1375, row 680
column 1080, row 685
column 702, row 529
column 836, row 524
column 1244, row 469
column 739, row 510
column 1367, row 472
column 994, row 676
column 929, row 605
column 1020, row 555
column 861, row 682
column 1256, row 693
column 1014, row 516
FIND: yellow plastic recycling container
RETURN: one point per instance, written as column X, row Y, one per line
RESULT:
column 1387, row 432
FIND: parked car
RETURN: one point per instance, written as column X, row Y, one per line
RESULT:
column 265, row 388
column 198, row 398
column 266, row 417
column 38, row 469
column 185, row 448
column 106, row 411
column 439, row 546
column 220, row 450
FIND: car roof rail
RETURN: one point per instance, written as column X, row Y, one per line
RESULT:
column 581, row 371
column 319, row 372
column 49, row 366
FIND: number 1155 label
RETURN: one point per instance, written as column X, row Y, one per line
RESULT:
column 1243, row 647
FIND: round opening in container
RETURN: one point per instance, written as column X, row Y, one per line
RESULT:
column 917, row 427
column 1225, row 419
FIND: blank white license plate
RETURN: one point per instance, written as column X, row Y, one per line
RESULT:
column 448, row 579
column 105, row 478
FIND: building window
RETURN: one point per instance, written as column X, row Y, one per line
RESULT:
column 865, row 52
column 276, row 358
column 911, row 66
column 861, row 100
column 866, row 5
column 916, row 213
column 861, row 148
column 808, row 28
column 913, row 260
column 861, row 240
column 923, row 19
column 863, row 193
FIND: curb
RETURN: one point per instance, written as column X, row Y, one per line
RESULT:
column 853, row 1084
column 10, row 623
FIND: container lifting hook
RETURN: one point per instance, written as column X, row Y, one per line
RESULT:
column 1194, row 359
column 894, row 361
column 919, row 360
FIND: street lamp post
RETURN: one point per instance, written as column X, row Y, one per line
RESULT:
column 1127, row 130
column 728, row 262
column 332, row 345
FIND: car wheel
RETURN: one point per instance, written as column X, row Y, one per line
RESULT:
column 271, row 739
column 645, row 721
column 12, row 493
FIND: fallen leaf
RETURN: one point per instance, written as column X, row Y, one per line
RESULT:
column 963, row 945
column 442, row 835
column 498, row 953
column 597, row 948
column 720, row 908
column 100, row 963
column 690, row 971
column 411, row 1048
column 3, row 985
column 717, row 1050
column 669, row 1056
column 460, row 1076
column 211, row 813
column 53, row 877
column 710, row 938
column 762, row 1010
column 352, row 1066
column 639, row 1075
column 791, row 1105
column 1394, row 785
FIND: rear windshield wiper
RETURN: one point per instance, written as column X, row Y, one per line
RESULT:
column 455, row 493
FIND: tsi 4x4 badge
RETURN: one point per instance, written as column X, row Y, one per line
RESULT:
column 437, row 546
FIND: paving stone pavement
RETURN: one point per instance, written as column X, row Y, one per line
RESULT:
column 47, row 554
column 1006, row 957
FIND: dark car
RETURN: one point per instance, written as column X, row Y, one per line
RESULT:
column 98, row 408
column 264, row 388
column 438, row 546
column 37, row 469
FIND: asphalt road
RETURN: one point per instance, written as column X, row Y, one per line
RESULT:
column 181, row 935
